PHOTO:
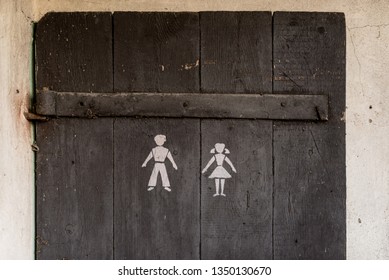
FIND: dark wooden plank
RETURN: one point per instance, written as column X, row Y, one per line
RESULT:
column 74, row 52
column 156, row 224
column 200, row 105
column 236, row 58
column 74, row 189
column 309, row 158
column 156, row 52
column 236, row 52
column 239, row 225
column 74, row 163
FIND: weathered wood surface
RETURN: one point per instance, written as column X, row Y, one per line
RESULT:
column 200, row 105
column 74, row 189
column 236, row 57
column 74, row 52
column 239, row 225
column 153, row 49
column 309, row 158
column 236, row 52
column 156, row 52
column 156, row 224
column 74, row 163
column 92, row 198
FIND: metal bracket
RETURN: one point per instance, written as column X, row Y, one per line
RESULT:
column 280, row 106
column 32, row 117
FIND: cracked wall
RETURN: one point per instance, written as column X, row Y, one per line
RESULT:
column 16, row 157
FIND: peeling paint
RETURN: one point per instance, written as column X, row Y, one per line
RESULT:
column 188, row 66
column 343, row 117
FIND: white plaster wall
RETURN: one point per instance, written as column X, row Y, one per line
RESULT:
column 367, row 128
column 16, row 158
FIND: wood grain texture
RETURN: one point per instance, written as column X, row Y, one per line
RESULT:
column 156, row 52
column 238, row 226
column 74, row 189
column 74, row 163
column 92, row 198
column 309, row 158
column 156, row 224
column 236, row 52
column 236, row 58
column 74, row 52
column 192, row 105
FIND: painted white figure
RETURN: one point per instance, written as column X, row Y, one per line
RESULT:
column 159, row 154
column 220, row 174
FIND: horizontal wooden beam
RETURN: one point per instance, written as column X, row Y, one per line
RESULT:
column 187, row 105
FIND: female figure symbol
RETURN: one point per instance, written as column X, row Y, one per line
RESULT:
column 159, row 154
column 220, row 174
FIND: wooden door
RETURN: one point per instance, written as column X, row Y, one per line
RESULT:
column 270, row 88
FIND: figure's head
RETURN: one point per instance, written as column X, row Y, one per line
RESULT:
column 219, row 147
column 160, row 139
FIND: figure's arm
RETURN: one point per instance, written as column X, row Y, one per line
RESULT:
column 208, row 164
column 170, row 157
column 230, row 163
column 150, row 156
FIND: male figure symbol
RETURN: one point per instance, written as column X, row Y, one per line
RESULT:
column 220, row 174
column 159, row 154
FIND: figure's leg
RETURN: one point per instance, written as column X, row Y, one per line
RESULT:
column 153, row 178
column 165, row 178
column 217, row 181
column 222, row 181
